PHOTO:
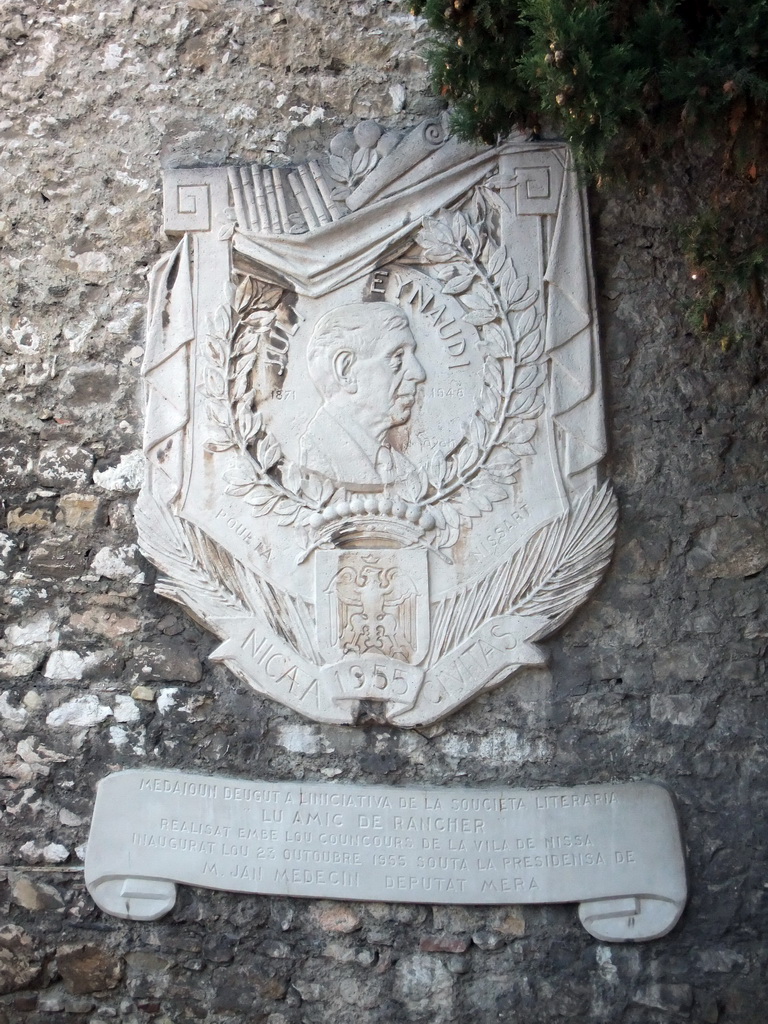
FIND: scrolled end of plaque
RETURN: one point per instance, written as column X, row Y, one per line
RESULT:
column 630, row 918
column 133, row 899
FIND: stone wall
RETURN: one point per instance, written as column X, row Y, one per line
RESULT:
column 660, row 676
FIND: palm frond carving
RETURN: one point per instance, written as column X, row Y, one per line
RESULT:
column 553, row 572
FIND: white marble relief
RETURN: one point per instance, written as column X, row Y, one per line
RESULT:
column 374, row 418
column 614, row 849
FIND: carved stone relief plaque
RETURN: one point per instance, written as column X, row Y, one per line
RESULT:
column 614, row 849
column 374, row 418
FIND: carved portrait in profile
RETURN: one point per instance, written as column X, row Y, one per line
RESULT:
column 374, row 426
column 362, row 360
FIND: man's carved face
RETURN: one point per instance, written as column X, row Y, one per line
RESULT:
column 388, row 380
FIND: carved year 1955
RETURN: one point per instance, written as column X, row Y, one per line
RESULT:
column 374, row 418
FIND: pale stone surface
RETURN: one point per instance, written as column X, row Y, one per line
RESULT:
column 69, row 818
column 7, row 548
column 393, row 457
column 58, row 1001
column 52, row 853
column 125, row 477
column 510, row 922
column 105, row 622
column 80, row 713
column 18, row 664
column 118, row 736
column 14, row 716
column 33, row 894
column 126, row 710
column 299, row 738
column 94, row 267
column 80, row 510
column 32, row 700
column 31, row 852
column 600, row 845
column 165, row 699
column 63, row 664
column 143, row 693
column 117, row 563
column 55, row 853
column 498, row 747
column 33, row 762
column 335, row 918
column 35, row 519
column 40, row 629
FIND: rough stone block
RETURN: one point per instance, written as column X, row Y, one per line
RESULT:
column 20, row 962
column 88, row 968
column 80, row 511
column 172, row 660
column 34, row 895
column 674, row 998
column 444, row 944
column 29, row 519
column 734, row 548
column 64, row 466
column 333, row 917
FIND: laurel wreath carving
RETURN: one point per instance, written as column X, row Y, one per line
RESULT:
column 263, row 477
column 478, row 271
column 456, row 487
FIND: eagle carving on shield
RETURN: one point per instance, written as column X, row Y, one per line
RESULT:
column 372, row 610
column 373, row 602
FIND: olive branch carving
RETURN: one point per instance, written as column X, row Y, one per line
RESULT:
column 355, row 154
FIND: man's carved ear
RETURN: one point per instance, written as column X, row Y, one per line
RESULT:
column 343, row 365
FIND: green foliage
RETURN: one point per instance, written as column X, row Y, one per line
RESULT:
column 625, row 82
column 617, row 78
column 726, row 253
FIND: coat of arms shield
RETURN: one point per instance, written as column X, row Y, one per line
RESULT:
column 374, row 418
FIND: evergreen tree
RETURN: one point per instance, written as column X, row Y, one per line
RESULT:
column 617, row 78
column 627, row 82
